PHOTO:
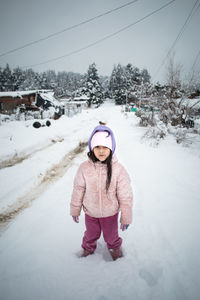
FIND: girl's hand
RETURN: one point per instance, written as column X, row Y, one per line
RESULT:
column 123, row 227
column 76, row 219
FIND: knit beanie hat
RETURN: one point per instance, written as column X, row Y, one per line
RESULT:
column 102, row 136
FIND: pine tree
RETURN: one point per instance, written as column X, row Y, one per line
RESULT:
column 93, row 87
column 51, row 79
column 145, row 76
column 131, row 86
column 1, row 80
column 18, row 78
column 31, row 81
column 43, row 81
column 7, row 79
column 136, row 76
column 118, row 84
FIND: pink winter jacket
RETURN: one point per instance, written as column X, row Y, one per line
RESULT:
column 90, row 192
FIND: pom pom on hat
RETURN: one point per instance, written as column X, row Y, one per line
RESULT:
column 101, row 138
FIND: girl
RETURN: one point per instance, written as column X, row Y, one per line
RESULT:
column 102, row 187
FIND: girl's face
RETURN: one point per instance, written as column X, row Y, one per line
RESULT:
column 101, row 152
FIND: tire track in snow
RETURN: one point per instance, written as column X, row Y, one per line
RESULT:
column 52, row 175
column 18, row 158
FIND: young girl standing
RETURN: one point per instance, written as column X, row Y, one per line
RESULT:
column 102, row 187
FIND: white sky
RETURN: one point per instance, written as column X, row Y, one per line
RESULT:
column 145, row 45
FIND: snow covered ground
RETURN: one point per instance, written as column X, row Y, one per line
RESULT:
column 39, row 246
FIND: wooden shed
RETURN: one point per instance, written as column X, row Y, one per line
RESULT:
column 34, row 100
column 9, row 101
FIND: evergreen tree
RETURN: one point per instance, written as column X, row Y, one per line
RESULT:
column 104, row 81
column 145, row 76
column 93, row 87
column 18, row 78
column 43, row 82
column 118, row 84
column 7, row 79
column 51, row 79
column 131, row 85
column 129, row 76
column 136, row 76
column 128, row 83
column 1, row 80
column 145, row 88
column 31, row 81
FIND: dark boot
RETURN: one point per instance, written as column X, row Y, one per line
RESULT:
column 115, row 253
column 86, row 253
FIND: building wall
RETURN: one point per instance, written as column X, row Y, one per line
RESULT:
column 9, row 104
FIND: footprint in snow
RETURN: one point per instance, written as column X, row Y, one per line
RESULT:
column 151, row 273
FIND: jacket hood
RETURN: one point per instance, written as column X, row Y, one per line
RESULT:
column 102, row 128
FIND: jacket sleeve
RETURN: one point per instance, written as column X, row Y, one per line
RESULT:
column 78, row 193
column 125, row 196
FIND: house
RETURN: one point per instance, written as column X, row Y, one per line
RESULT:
column 80, row 101
column 71, row 106
column 9, row 101
column 35, row 100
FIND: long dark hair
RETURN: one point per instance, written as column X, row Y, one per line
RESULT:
column 108, row 162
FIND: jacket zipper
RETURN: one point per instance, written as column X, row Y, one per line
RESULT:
column 100, row 199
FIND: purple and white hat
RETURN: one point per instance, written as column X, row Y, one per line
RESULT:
column 102, row 136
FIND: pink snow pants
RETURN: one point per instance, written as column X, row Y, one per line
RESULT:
column 94, row 226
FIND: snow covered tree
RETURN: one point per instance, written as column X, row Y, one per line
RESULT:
column 145, row 76
column 104, row 81
column 31, row 81
column 18, row 78
column 118, row 84
column 129, row 77
column 128, row 83
column 67, row 83
column 136, row 76
column 1, row 80
column 173, row 76
column 7, row 79
column 43, row 81
column 93, row 87
column 51, row 79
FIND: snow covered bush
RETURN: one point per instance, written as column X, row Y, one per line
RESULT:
column 4, row 118
column 173, row 116
column 180, row 134
column 155, row 134
column 147, row 118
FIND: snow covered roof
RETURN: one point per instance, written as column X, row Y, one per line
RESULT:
column 49, row 96
column 64, row 99
column 77, row 102
column 22, row 93
column 83, row 97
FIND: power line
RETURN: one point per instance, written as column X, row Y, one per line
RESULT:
column 102, row 39
column 178, row 36
column 67, row 29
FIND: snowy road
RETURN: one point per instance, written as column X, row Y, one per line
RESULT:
column 38, row 249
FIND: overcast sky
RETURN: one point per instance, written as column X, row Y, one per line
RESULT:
column 145, row 45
